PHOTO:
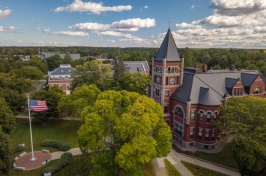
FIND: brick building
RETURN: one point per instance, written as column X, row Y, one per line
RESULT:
column 192, row 97
column 61, row 77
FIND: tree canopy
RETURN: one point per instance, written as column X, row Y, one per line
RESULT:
column 52, row 97
column 92, row 72
column 73, row 104
column 248, row 116
column 7, row 119
column 123, row 131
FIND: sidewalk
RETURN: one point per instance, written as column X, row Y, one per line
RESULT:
column 177, row 157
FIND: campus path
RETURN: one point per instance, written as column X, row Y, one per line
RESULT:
column 219, row 168
column 175, row 159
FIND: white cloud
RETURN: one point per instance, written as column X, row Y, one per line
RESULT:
column 90, row 26
column 133, row 24
column 5, row 13
column 70, row 33
column 192, row 6
column 129, row 25
column 46, row 30
column 233, row 24
column 8, row 29
column 146, row 7
column 236, row 13
column 187, row 25
column 91, row 7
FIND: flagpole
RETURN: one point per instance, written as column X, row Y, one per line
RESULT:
column 32, row 154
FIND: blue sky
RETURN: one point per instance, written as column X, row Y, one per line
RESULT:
column 133, row 23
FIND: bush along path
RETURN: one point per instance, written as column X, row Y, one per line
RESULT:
column 57, row 155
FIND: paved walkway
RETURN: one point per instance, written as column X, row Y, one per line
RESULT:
column 175, row 159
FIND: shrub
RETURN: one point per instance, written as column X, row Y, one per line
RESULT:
column 59, row 164
column 18, row 149
column 62, row 146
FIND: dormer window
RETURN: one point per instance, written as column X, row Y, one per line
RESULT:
column 238, row 91
column 257, row 90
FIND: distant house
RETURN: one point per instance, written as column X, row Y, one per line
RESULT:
column 137, row 66
column 23, row 57
column 61, row 77
column 50, row 54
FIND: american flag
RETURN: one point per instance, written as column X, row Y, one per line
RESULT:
column 38, row 105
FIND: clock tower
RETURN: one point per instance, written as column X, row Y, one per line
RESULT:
column 167, row 73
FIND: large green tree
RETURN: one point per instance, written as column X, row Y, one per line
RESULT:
column 53, row 62
column 123, row 131
column 52, row 97
column 7, row 119
column 73, row 104
column 5, row 161
column 93, row 72
column 248, row 116
column 135, row 82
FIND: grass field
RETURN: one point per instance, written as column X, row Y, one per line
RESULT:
column 224, row 157
column 171, row 170
column 61, row 130
column 200, row 171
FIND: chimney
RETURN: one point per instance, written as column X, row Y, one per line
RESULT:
column 204, row 67
column 232, row 67
column 196, row 65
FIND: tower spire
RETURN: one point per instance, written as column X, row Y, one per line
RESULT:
column 169, row 21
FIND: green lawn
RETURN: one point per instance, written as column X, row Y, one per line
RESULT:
column 200, row 171
column 171, row 170
column 62, row 130
column 224, row 157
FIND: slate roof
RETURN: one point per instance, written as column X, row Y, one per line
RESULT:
column 137, row 66
column 168, row 49
column 64, row 69
column 210, row 87
column 264, row 79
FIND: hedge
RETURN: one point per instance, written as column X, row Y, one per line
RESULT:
column 62, row 146
column 59, row 164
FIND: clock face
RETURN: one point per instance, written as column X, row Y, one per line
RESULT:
column 158, row 79
column 172, row 80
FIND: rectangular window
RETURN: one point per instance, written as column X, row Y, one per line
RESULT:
column 192, row 115
column 207, row 135
column 178, row 129
column 213, row 135
column 166, row 108
column 166, row 93
column 191, row 135
column 166, row 81
column 177, row 80
column 200, row 134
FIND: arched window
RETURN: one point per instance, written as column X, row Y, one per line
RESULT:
column 179, row 112
column 208, row 117
column 257, row 90
column 156, row 68
column 176, row 69
column 169, row 69
column 172, row 70
column 201, row 116
column 215, row 115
